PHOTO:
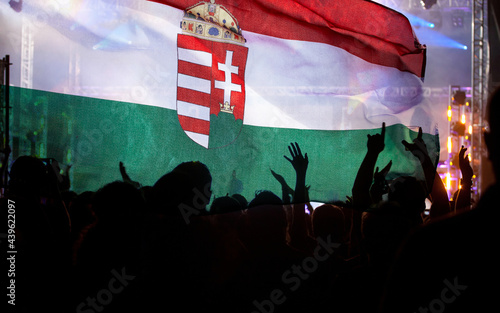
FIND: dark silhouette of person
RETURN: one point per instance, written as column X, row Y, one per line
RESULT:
column 177, row 240
column 329, row 220
column 451, row 264
column 109, row 246
column 42, row 234
column 263, row 233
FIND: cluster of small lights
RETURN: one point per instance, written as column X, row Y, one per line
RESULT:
column 462, row 118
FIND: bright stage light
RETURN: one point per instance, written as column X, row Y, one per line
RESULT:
column 418, row 21
column 432, row 37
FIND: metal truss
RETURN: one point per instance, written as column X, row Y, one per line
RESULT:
column 480, row 78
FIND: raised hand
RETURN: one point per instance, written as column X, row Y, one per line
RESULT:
column 298, row 161
column 376, row 142
column 279, row 178
column 437, row 190
column 364, row 178
column 282, row 181
column 464, row 164
column 298, row 228
column 463, row 199
column 418, row 147
column 123, row 172
column 381, row 175
column 287, row 191
column 127, row 178
column 379, row 186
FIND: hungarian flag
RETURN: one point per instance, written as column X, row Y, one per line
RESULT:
column 230, row 83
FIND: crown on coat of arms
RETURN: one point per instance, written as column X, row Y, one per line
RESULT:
column 211, row 21
column 226, row 107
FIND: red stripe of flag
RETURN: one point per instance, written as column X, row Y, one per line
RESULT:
column 194, row 125
column 195, row 70
column 366, row 29
column 193, row 96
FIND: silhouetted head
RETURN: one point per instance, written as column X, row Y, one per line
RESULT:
column 117, row 201
column 198, row 172
column 263, row 197
column 329, row 220
column 28, row 176
column 225, row 204
column 241, row 199
column 409, row 193
column 492, row 133
column 174, row 189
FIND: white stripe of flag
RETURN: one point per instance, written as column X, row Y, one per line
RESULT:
column 201, row 139
column 194, row 83
column 193, row 110
column 195, row 56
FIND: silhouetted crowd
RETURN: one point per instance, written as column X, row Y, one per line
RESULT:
column 129, row 248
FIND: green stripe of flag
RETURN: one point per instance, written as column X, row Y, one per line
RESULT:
column 94, row 135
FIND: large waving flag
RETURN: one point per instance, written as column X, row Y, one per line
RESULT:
column 228, row 82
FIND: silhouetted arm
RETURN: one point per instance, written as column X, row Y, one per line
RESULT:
column 379, row 186
column 362, row 183
column 439, row 196
column 127, row 178
column 434, row 184
column 419, row 150
column 463, row 199
column 298, row 229
column 286, row 191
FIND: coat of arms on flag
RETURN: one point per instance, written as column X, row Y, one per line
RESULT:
column 211, row 75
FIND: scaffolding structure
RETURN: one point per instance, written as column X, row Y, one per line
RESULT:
column 465, row 117
column 479, row 81
column 460, row 133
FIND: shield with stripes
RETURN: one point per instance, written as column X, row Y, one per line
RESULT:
column 210, row 76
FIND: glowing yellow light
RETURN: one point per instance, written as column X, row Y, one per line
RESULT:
column 448, row 181
column 470, row 129
column 449, row 144
column 467, row 103
column 470, row 158
column 466, row 137
column 451, row 163
column 449, row 113
column 473, row 176
column 463, row 119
